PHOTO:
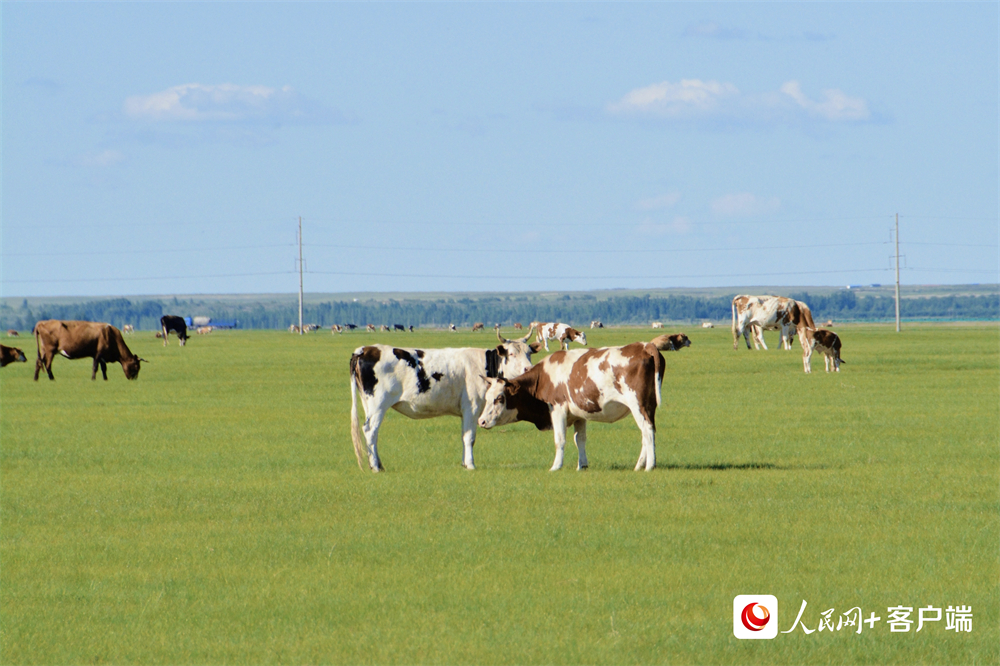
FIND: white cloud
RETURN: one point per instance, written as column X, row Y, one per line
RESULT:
column 106, row 158
column 693, row 99
column 658, row 203
column 227, row 102
column 744, row 204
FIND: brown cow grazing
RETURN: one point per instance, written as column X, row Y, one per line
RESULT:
column 478, row 326
column 674, row 342
column 518, row 326
column 128, row 329
column 11, row 333
column 825, row 342
column 573, row 387
column 83, row 339
column 10, row 355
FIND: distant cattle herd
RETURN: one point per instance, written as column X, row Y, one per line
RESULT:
column 484, row 387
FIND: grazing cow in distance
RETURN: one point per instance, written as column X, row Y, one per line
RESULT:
column 176, row 324
column 825, row 342
column 518, row 326
column 309, row 328
column 452, row 328
column 596, row 324
column 350, row 327
column 11, row 333
column 829, row 323
column 423, row 383
column 657, row 324
column 336, row 328
column 561, row 332
column 478, row 326
column 398, row 327
column 294, row 328
column 384, row 328
column 83, row 339
column 707, row 324
column 570, row 388
column 128, row 329
column 10, row 355
column 752, row 315
column 205, row 330
column 411, row 328
column 370, row 328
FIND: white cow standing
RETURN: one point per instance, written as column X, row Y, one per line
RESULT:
column 424, row 383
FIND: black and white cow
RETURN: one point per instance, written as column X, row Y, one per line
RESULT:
column 171, row 323
column 423, row 383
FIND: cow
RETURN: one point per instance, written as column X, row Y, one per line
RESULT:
column 294, row 328
column 410, row 328
column 707, row 324
column 657, row 324
column 423, row 383
column 384, row 328
column 309, row 328
column 825, row 342
column 370, row 328
column 83, row 339
column 755, row 314
column 596, row 324
column 176, row 324
column 561, row 332
column 478, row 326
column 336, row 328
column 10, row 355
column 518, row 326
column 674, row 342
column 205, row 330
column 570, row 388
column 451, row 327
column 11, row 333
column 399, row 327
column 350, row 327
column 128, row 329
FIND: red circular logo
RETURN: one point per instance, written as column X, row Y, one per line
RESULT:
column 754, row 621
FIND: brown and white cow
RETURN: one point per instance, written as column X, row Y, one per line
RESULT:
column 336, row 328
column 574, row 387
column 424, row 383
column 596, row 324
column 370, row 328
column 752, row 315
column 128, row 329
column 657, row 324
column 478, row 326
column 205, row 330
column 11, row 333
column 564, row 333
column 518, row 326
column 10, row 355
column 827, row 343
column 674, row 342
column 83, row 339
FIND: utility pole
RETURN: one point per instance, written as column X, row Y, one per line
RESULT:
column 897, row 272
column 300, row 282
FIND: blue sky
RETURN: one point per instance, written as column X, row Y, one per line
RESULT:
column 170, row 148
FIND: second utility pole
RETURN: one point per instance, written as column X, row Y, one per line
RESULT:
column 300, row 283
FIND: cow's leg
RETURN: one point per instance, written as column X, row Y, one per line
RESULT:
column 545, row 342
column 372, row 423
column 98, row 361
column 580, row 438
column 468, row 435
column 559, row 433
column 164, row 336
column 647, row 457
column 806, row 356
column 758, row 337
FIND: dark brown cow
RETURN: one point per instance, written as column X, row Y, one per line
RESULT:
column 674, row 342
column 83, row 339
column 574, row 387
column 10, row 355
column 478, row 326
column 827, row 343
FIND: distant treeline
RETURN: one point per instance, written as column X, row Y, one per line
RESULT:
column 573, row 309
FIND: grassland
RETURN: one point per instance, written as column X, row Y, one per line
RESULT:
column 212, row 511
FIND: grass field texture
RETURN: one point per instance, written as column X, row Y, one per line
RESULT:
column 212, row 511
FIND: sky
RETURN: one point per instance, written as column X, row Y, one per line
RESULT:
column 159, row 148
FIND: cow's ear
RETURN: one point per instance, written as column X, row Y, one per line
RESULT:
column 534, row 347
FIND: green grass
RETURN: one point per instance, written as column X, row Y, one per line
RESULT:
column 212, row 511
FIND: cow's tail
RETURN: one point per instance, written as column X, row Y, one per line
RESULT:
column 356, row 437
column 807, row 318
column 736, row 334
column 653, row 349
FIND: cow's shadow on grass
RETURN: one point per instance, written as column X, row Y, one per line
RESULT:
column 719, row 466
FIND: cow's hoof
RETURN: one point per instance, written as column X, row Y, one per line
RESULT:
column 580, row 468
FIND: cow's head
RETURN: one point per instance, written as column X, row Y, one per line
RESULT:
column 495, row 412
column 679, row 341
column 513, row 357
column 131, row 366
column 580, row 337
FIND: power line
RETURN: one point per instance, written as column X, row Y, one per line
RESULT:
column 595, row 277
column 131, row 252
column 493, row 250
column 135, row 279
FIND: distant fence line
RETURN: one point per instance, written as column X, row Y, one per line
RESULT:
column 577, row 310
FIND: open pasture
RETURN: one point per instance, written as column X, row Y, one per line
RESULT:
column 212, row 511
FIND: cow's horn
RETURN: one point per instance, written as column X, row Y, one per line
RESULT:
column 501, row 338
column 525, row 338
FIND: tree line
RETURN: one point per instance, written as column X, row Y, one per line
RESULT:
column 578, row 310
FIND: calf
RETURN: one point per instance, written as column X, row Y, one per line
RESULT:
column 561, row 332
column 171, row 323
column 573, row 387
column 423, row 383
column 83, row 339
column 825, row 342
column 10, row 355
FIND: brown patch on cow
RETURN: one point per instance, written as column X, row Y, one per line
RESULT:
column 556, row 357
column 581, row 388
